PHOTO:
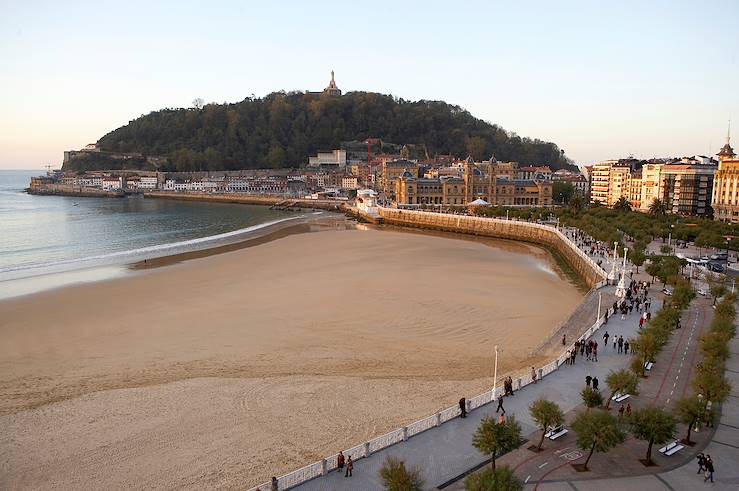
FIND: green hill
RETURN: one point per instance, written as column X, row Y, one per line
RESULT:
column 282, row 129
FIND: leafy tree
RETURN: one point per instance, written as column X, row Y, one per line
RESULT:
column 654, row 425
column 496, row 439
column 637, row 258
column 576, row 203
column 622, row 204
column 198, row 103
column 621, row 382
column 591, row 398
column 665, row 249
column 597, row 431
column 716, row 345
column 547, row 414
column 653, row 269
column 396, row 477
column 562, row 192
column 690, row 411
column 500, row 479
column 710, row 382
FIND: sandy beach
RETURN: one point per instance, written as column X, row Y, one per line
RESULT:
column 224, row 370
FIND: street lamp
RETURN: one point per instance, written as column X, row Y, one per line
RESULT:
column 621, row 288
column 495, row 372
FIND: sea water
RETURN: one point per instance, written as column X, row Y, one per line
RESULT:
column 50, row 235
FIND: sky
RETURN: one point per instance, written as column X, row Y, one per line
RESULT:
column 602, row 79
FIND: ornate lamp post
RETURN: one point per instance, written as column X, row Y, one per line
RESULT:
column 621, row 288
column 612, row 273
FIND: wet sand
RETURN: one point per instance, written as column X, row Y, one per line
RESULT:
column 224, row 370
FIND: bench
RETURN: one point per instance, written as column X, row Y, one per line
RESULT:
column 648, row 365
column 621, row 397
column 671, row 449
column 555, row 433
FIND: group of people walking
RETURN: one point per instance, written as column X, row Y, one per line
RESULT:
column 705, row 465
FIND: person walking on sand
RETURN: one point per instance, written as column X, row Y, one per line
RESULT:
column 463, row 407
column 349, row 467
column 564, row 339
column 340, row 462
column 500, row 404
column 533, row 374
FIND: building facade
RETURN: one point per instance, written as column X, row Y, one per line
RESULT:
column 725, row 199
column 687, row 189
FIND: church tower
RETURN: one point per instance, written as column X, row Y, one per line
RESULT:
column 332, row 89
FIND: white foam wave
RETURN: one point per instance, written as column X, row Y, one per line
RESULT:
column 134, row 255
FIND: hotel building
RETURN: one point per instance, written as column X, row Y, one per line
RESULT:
column 725, row 200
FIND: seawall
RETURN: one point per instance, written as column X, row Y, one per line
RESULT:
column 535, row 233
column 67, row 190
column 250, row 199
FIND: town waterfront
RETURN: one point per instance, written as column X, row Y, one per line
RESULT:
column 52, row 234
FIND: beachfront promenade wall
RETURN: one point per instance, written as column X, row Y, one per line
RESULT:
column 507, row 229
column 546, row 235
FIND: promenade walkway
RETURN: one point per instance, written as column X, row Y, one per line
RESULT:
column 446, row 452
column 723, row 449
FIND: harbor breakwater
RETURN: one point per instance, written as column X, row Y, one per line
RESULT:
column 68, row 190
column 251, row 199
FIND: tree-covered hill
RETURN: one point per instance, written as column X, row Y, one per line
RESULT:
column 282, row 129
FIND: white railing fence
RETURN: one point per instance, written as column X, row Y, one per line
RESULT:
column 521, row 378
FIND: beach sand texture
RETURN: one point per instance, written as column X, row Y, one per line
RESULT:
column 225, row 370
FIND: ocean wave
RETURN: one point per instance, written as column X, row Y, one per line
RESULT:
column 134, row 255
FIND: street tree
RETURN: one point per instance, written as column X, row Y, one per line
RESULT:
column 654, row 425
column 547, row 414
column 396, row 477
column 597, row 431
column 621, row 382
column 591, row 398
column 637, row 258
column 500, row 479
column 494, row 439
column 690, row 411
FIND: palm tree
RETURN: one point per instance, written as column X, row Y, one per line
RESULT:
column 622, row 204
column 657, row 207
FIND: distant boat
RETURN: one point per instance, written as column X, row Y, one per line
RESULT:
column 75, row 204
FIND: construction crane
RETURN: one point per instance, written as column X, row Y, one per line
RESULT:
column 370, row 142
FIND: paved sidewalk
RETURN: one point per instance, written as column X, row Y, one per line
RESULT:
column 446, row 452
column 723, row 449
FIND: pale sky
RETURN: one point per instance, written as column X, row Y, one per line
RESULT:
column 602, row 79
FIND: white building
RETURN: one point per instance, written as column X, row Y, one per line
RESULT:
column 148, row 183
column 335, row 158
column 349, row 182
column 112, row 183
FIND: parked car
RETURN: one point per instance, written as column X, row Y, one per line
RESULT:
column 702, row 292
column 667, row 292
column 716, row 268
column 720, row 256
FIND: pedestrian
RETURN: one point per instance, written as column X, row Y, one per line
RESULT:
column 605, row 339
column 626, row 347
column 641, row 322
column 340, row 461
column 615, row 338
column 533, row 375
column 510, row 385
column 595, row 383
column 568, row 356
column 274, row 486
column 500, row 404
column 620, row 344
column 709, row 469
column 595, row 350
column 349, row 467
column 582, row 348
column 501, row 419
column 588, row 349
column 701, row 463
column 564, row 339
column 463, row 407
column 572, row 357
column 649, row 316
column 621, row 410
column 588, row 378
column 628, row 409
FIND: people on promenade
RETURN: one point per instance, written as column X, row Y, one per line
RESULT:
column 500, row 404
column 349, row 467
column 701, row 462
column 588, row 350
column 274, row 486
column 533, row 375
column 626, row 347
column 628, row 409
column 621, row 410
column 615, row 339
column 605, row 339
column 595, row 383
column 568, row 357
column 463, row 407
column 572, row 356
column 501, row 419
column 588, row 379
column 709, row 469
column 620, row 344
column 340, row 461
column 594, row 356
